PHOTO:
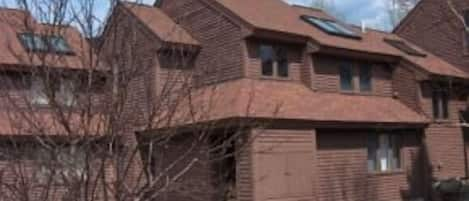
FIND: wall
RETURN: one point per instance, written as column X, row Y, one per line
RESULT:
column 294, row 56
column 221, row 56
column 406, row 86
column 327, row 79
column 343, row 173
column 283, row 163
column 435, row 28
column 445, row 144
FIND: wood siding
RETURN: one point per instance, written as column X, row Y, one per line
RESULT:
column 343, row 172
column 283, row 165
column 294, row 56
column 221, row 56
column 327, row 79
column 433, row 26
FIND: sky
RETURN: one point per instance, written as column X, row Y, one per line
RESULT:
column 372, row 12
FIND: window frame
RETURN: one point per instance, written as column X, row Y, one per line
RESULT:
column 377, row 151
column 278, row 56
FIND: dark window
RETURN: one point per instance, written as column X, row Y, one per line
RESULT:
column 346, row 77
column 59, row 45
column 384, row 152
column 267, row 58
column 274, row 61
column 282, row 62
column 176, row 59
column 404, row 47
column 15, row 80
column 330, row 27
column 33, row 42
column 440, row 103
column 365, row 78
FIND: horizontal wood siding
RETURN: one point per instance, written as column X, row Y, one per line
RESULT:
column 283, row 164
column 446, row 150
column 221, row 55
column 343, row 172
column 295, row 61
column 327, row 79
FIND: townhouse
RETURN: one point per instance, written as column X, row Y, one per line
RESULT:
column 346, row 113
column 331, row 111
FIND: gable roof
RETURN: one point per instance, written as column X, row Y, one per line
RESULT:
column 251, row 98
column 14, row 22
column 160, row 24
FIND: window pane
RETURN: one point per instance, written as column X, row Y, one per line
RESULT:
column 436, row 105
column 38, row 92
column 266, row 53
column 322, row 24
column 67, row 92
column 365, row 78
column 59, row 44
column 33, row 42
column 282, row 62
column 444, row 104
column 342, row 29
column 346, row 78
column 372, row 153
column 384, row 149
column 396, row 148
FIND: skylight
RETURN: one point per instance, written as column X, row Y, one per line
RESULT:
column 404, row 47
column 58, row 44
column 33, row 42
column 39, row 43
column 330, row 27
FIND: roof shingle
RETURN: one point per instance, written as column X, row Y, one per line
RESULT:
column 160, row 24
column 287, row 100
column 276, row 15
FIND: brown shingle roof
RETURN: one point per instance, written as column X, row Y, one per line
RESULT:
column 160, row 24
column 288, row 100
column 12, row 52
column 47, row 123
column 276, row 15
column 430, row 62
